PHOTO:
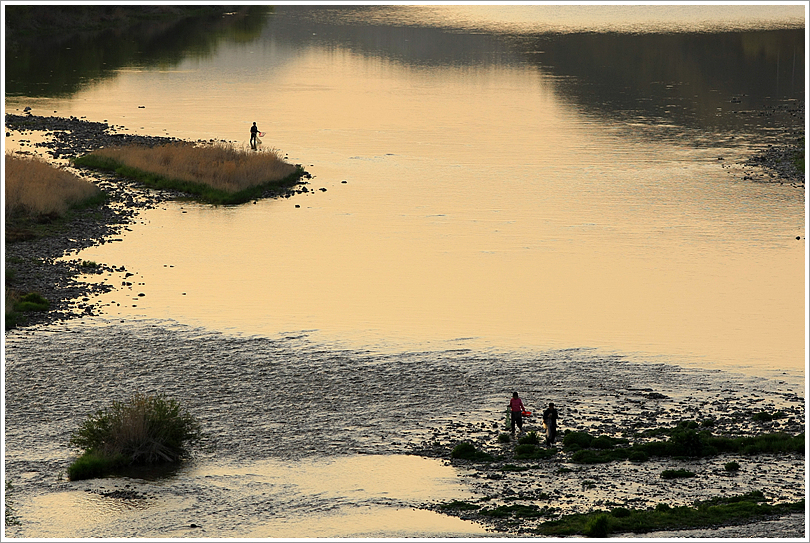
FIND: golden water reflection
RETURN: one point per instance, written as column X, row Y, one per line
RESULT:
column 352, row 496
column 478, row 203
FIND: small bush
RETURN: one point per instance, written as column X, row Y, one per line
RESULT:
column 530, row 438
column 519, row 511
column 581, row 440
column 142, row 430
column 467, row 451
column 32, row 301
column 10, row 518
column 676, row 474
column 732, row 466
column 504, row 438
column 530, row 451
column 638, row 456
column 598, row 526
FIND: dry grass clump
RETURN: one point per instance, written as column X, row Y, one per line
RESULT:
column 219, row 166
column 34, row 187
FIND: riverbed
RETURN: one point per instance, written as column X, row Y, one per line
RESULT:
column 487, row 212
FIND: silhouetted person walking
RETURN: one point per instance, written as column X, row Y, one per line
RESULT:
column 254, row 132
column 550, row 420
column 517, row 408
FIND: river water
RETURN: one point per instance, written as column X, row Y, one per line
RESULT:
column 510, row 183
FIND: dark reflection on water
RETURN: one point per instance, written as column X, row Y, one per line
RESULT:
column 689, row 79
column 699, row 80
column 62, row 63
column 692, row 79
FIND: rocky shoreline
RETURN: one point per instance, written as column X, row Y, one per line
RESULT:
column 35, row 260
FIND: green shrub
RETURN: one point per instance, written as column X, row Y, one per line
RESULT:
column 581, row 440
column 141, row 430
column 638, row 456
column 530, row 438
column 676, row 474
column 620, row 512
column 504, row 438
column 10, row 517
column 598, row 526
column 762, row 417
column 714, row 512
column 529, row 451
column 33, row 301
column 467, row 451
column 732, row 466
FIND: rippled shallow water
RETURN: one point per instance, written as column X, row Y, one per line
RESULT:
column 306, row 439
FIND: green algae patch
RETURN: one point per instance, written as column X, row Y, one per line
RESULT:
column 714, row 512
column 467, row 451
column 685, row 440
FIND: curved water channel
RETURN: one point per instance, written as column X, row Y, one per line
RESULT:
column 548, row 200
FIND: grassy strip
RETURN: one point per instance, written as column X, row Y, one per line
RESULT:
column 714, row 512
column 17, row 304
column 142, row 430
column 35, row 188
column 684, row 441
column 215, row 174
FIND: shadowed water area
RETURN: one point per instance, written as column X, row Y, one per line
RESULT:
column 550, row 199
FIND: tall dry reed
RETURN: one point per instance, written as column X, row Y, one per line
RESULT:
column 35, row 187
column 220, row 166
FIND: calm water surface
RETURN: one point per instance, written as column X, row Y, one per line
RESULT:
column 489, row 193
column 520, row 178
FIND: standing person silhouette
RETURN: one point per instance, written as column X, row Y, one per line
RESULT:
column 517, row 408
column 254, row 132
column 550, row 420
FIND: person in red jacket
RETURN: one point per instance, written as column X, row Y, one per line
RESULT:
column 517, row 408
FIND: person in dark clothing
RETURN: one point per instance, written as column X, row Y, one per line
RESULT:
column 254, row 132
column 550, row 416
column 517, row 408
